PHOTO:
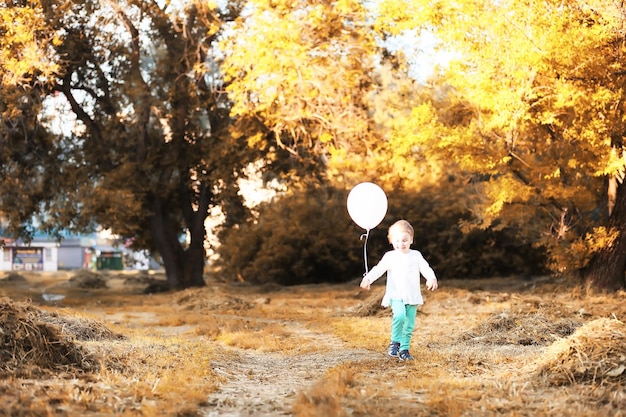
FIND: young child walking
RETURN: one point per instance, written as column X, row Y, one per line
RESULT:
column 403, row 266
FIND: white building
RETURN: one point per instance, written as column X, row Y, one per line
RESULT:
column 38, row 256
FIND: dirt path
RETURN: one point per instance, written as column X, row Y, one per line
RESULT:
column 263, row 384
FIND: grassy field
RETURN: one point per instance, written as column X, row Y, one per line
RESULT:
column 93, row 344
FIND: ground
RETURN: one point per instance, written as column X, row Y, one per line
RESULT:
column 505, row 346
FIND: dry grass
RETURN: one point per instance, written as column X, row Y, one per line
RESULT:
column 482, row 348
column 324, row 397
column 271, row 337
column 31, row 346
column 486, row 353
column 595, row 354
column 66, row 365
column 508, row 328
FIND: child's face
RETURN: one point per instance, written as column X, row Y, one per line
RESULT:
column 401, row 241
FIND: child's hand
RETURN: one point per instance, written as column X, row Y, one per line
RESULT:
column 432, row 285
column 365, row 284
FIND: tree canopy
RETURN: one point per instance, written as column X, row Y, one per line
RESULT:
column 527, row 116
column 25, row 147
column 302, row 71
column 150, row 151
column 540, row 88
column 523, row 127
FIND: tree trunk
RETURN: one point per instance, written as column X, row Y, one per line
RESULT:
column 607, row 267
column 195, row 255
column 183, row 268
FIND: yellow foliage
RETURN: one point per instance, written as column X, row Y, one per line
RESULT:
column 301, row 68
column 396, row 16
column 326, row 137
column 22, row 54
column 255, row 140
column 578, row 254
column 536, row 81
column 615, row 165
column 555, row 174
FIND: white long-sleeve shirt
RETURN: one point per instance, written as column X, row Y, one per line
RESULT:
column 403, row 276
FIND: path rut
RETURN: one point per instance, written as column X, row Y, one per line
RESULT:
column 263, row 384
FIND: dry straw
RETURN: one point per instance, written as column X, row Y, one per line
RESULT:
column 33, row 342
column 87, row 279
column 80, row 328
column 521, row 329
column 371, row 306
column 595, row 353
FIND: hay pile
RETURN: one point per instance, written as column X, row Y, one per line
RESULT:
column 201, row 299
column 87, row 279
column 371, row 306
column 509, row 328
column 31, row 346
column 80, row 328
column 595, row 353
column 141, row 277
column 11, row 277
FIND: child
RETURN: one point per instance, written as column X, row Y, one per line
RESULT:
column 403, row 266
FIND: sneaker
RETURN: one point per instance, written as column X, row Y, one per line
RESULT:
column 394, row 348
column 405, row 356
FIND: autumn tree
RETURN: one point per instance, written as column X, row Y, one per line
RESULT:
column 152, row 145
column 535, row 90
column 145, row 147
column 301, row 70
column 524, row 125
column 25, row 146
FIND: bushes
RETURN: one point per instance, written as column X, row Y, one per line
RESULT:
column 308, row 237
column 436, row 215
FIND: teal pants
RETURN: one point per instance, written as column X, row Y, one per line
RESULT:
column 402, row 323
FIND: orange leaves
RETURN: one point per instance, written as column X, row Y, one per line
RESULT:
column 22, row 53
column 303, row 69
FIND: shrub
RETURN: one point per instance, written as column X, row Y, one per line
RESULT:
column 308, row 237
column 305, row 237
column 436, row 215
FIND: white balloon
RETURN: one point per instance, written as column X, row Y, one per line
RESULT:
column 367, row 205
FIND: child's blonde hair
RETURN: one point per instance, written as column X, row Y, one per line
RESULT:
column 399, row 227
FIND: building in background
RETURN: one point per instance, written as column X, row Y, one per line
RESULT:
column 41, row 256
column 95, row 251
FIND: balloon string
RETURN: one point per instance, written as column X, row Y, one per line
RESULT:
column 365, row 235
